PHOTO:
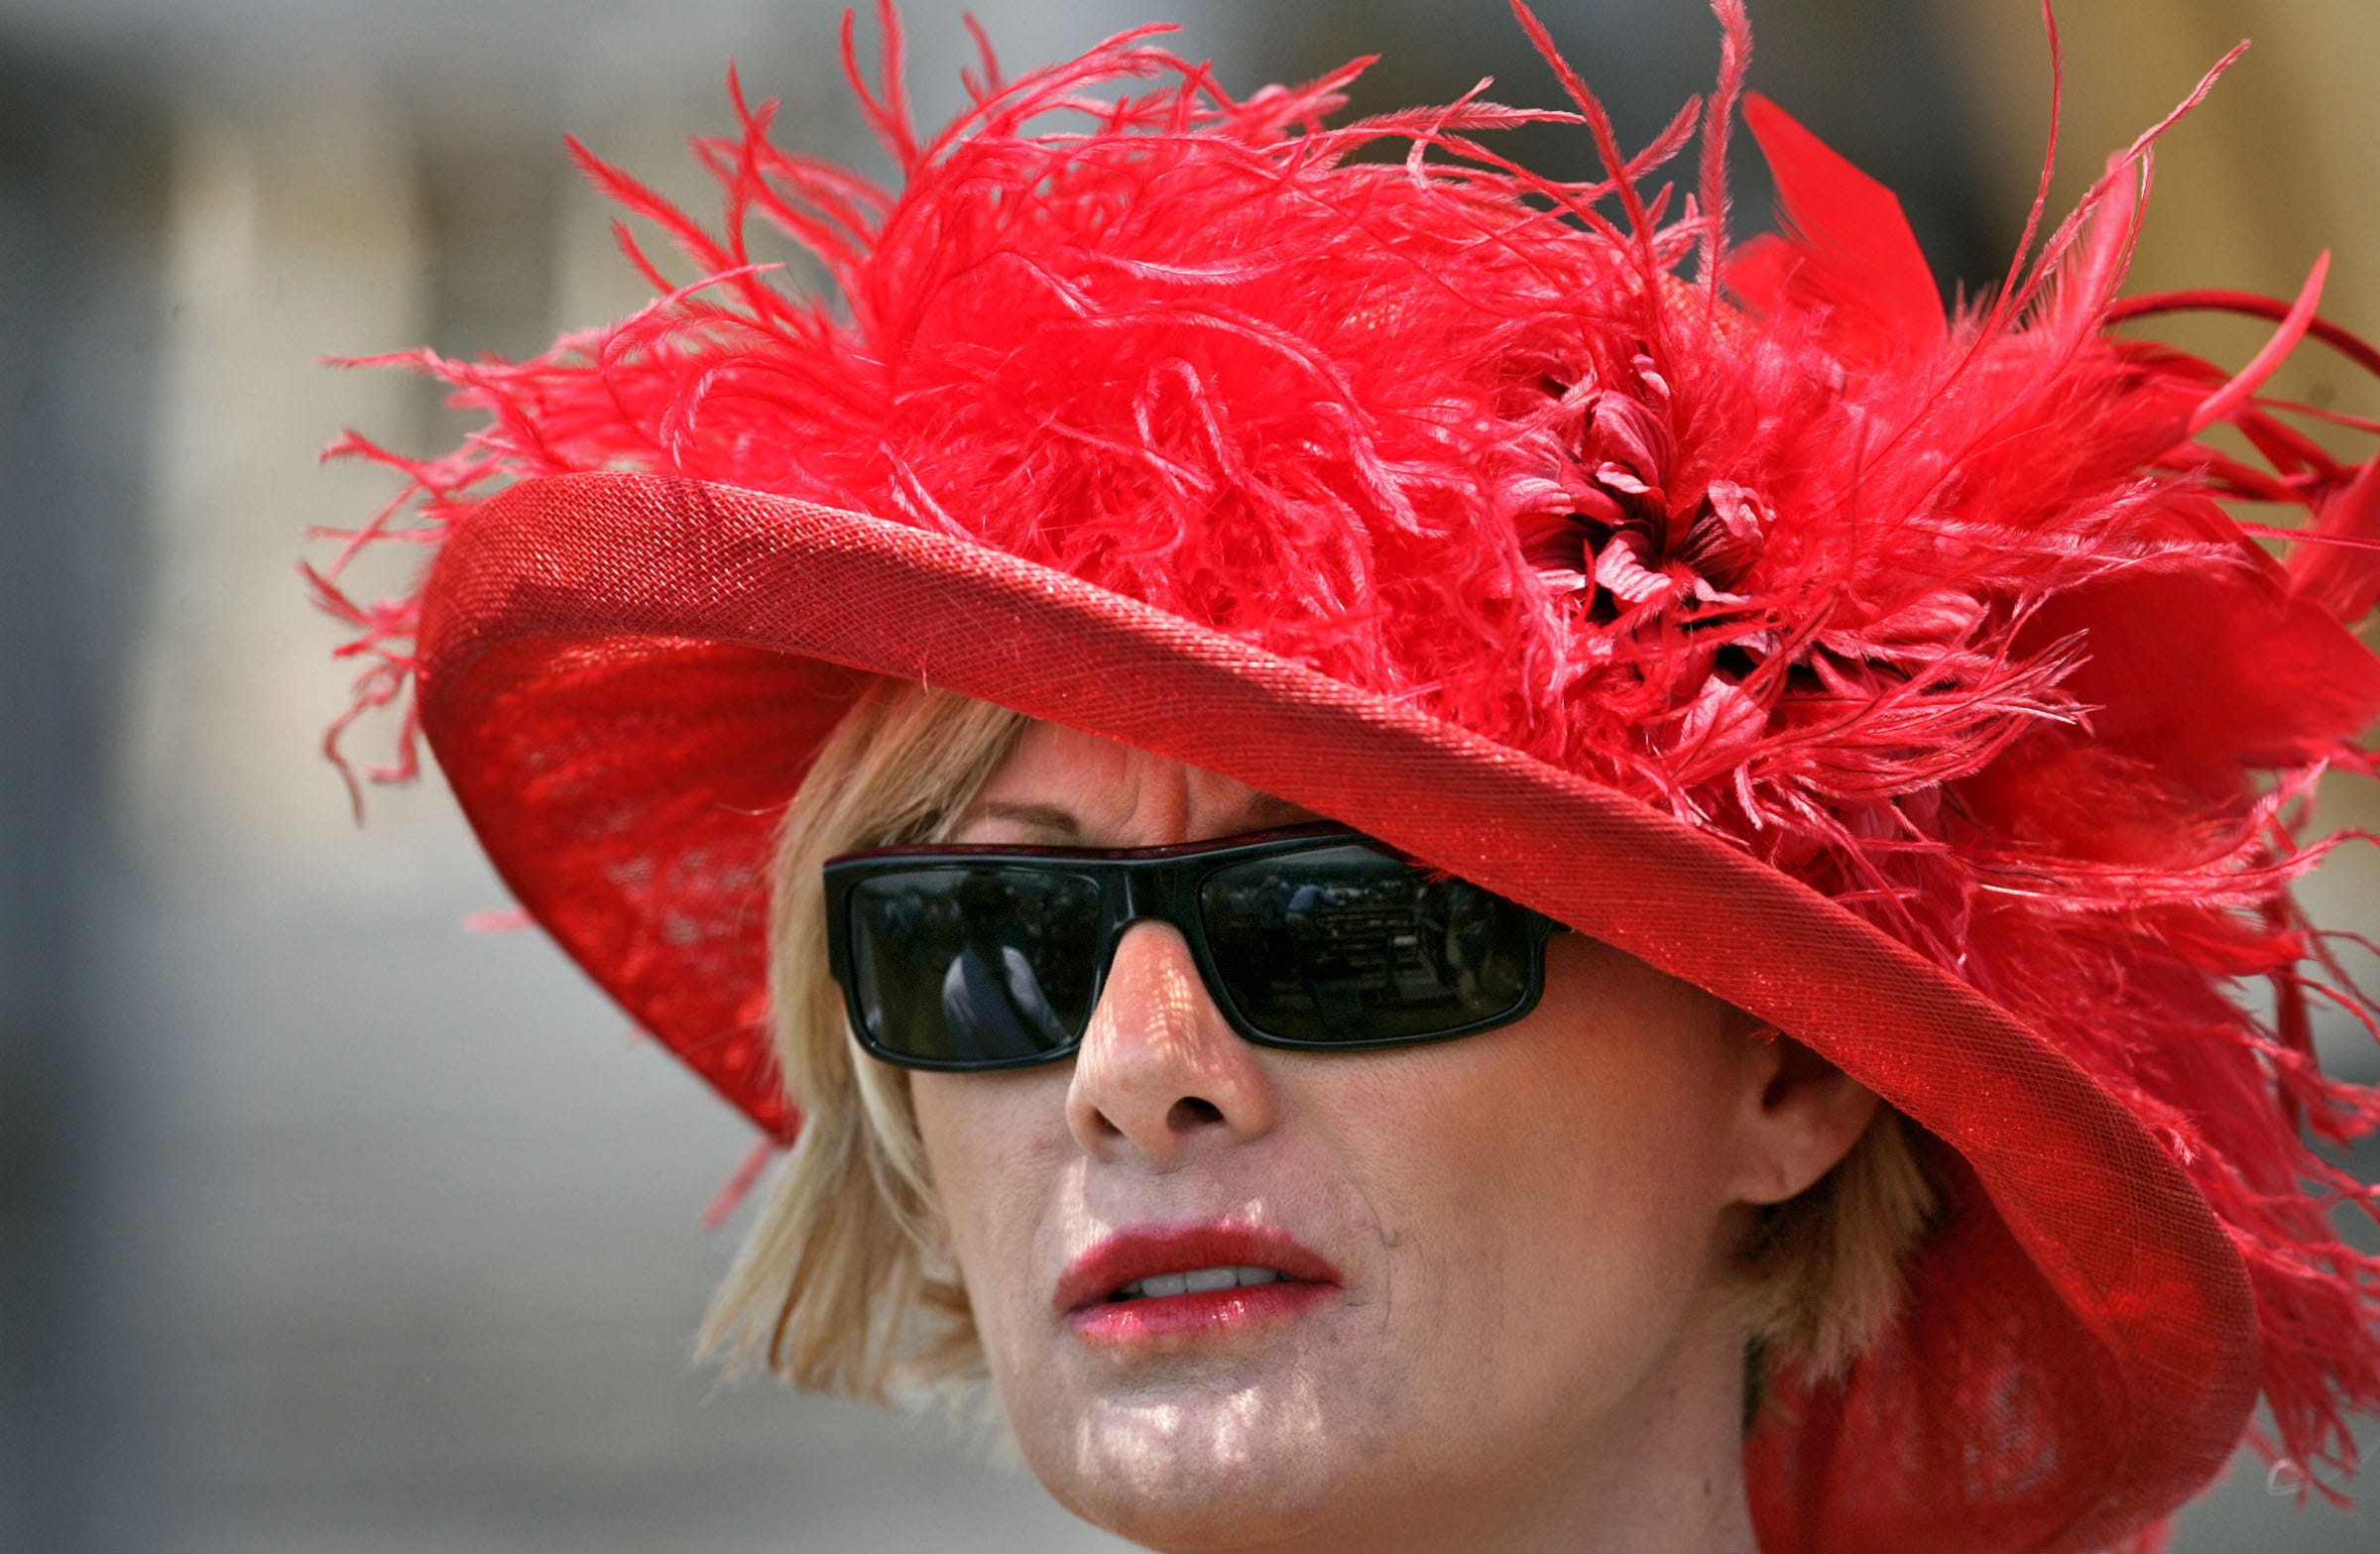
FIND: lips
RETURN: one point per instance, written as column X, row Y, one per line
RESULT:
column 1171, row 1282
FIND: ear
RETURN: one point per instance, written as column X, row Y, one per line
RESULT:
column 1801, row 1114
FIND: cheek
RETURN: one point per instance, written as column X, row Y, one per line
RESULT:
column 1546, row 1135
column 1555, row 1195
column 993, row 1145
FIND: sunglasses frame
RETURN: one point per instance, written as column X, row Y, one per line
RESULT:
column 1141, row 884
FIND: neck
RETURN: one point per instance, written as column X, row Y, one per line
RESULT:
column 1662, row 1473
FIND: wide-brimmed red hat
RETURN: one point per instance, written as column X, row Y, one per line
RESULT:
column 1894, row 673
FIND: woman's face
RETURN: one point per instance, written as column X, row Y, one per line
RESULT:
column 1510, row 1247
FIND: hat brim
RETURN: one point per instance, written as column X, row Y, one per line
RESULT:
column 624, row 677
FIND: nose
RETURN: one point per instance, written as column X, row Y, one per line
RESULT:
column 1160, row 1075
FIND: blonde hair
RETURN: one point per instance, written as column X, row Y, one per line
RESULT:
column 1822, row 1274
column 845, row 1285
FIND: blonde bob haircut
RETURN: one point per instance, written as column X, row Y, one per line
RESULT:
column 845, row 1283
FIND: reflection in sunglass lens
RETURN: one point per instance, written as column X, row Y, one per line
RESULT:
column 974, row 963
column 1351, row 944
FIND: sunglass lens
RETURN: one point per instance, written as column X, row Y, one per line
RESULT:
column 974, row 964
column 1349, row 944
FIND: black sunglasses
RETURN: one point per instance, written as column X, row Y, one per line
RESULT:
column 970, row 957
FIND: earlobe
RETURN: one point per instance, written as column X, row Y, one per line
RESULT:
column 1801, row 1115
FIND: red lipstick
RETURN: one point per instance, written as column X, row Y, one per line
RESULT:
column 1126, row 1291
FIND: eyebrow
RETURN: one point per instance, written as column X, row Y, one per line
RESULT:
column 1061, row 823
column 1039, row 817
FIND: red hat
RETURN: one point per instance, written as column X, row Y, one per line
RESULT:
column 1896, row 675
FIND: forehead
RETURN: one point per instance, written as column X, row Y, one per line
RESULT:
column 1062, row 786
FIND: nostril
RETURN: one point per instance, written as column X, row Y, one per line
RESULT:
column 1190, row 1110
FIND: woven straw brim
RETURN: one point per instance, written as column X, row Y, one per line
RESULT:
column 624, row 677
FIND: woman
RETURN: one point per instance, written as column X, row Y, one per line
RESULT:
column 1490, row 1294
column 1445, row 864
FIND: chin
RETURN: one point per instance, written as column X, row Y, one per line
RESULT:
column 1196, row 1470
column 1181, row 1514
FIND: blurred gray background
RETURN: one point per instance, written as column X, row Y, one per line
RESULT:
column 325, row 1227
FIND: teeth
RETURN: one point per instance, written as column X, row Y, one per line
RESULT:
column 1193, row 1282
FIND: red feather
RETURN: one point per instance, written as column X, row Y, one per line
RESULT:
column 2338, row 564
column 1848, row 240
